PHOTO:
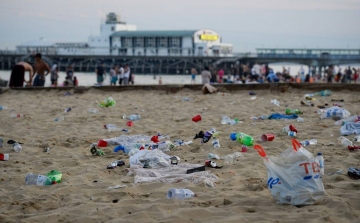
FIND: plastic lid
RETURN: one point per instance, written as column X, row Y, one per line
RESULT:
column 120, row 147
column 319, row 154
column 233, row 136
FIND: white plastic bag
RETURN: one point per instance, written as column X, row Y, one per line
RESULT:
column 294, row 177
column 335, row 111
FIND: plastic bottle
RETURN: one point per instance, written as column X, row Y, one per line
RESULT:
column 288, row 128
column 3, row 107
column 320, row 159
column 300, row 119
column 225, row 120
column 16, row 115
column 308, row 142
column 180, row 193
column 234, row 121
column 59, row 119
column 216, row 143
column 289, row 111
column 213, row 156
column 36, row 179
column 229, row 159
column 275, row 102
column 349, row 119
column 320, row 111
column 357, row 138
column 291, row 134
column 126, row 150
column 345, row 142
column 134, row 117
column 263, row 117
column 113, row 128
column 242, row 138
column 93, row 110
column 17, row 147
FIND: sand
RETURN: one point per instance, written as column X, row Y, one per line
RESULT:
column 241, row 195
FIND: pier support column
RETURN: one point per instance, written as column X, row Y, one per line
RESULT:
column 160, row 67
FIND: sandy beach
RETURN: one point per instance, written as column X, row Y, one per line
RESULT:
column 241, row 193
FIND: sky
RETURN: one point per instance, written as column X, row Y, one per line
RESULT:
column 245, row 24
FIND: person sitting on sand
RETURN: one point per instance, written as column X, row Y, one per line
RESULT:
column 17, row 77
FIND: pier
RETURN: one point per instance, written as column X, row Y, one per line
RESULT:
column 316, row 58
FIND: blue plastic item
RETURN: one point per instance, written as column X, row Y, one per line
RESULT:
column 282, row 116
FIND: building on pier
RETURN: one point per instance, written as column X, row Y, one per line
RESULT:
column 117, row 38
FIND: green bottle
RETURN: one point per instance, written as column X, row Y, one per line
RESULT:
column 55, row 176
column 289, row 111
column 242, row 138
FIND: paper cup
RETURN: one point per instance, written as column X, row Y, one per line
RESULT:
column 267, row 137
column 196, row 118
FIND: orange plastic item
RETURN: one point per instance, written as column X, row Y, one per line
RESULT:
column 296, row 144
column 260, row 150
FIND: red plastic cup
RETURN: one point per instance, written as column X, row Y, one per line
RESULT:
column 102, row 143
column 196, row 118
column 130, row 123
column 155, row 139
column 267, row 137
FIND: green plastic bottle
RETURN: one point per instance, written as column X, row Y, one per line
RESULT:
column 54, row 176
column 289, row 111
column 242, row 138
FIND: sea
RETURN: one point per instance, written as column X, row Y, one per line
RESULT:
column 89, row 79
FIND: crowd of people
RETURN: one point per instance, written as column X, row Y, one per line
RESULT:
column 239, row 74
column 246, row 74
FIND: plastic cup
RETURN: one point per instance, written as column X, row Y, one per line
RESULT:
column 130, row 123
column 102, row 143
column 196, row 118
column 155, row 139
column 244, row 149
column 267, row 137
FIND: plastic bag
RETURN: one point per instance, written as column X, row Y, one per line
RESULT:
column 335, row 111
column 294, row 177
column 350, row 128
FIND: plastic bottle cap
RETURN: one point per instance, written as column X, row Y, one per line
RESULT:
column 233, row 136
column 319, row 154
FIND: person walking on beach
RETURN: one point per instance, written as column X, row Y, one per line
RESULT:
column 54, row 75
column 220, row 74
column 113, row 76
column 17, row 77
column 193, row 75
column 126, row 74
column 40, row 68
column 100, row 73
column 206, row 76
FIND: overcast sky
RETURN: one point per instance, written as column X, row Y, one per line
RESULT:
column 247, row 24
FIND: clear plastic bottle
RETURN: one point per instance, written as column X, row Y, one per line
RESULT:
column 213, row 156
column 16, row 115
column 308, row 142
column 36, row 179
column 180, row 193
column 275, row 102
column 344, row 141
column 93, row 110
column 292, row 134
column 234, row 121
column 17, row 147
column 229, row 159
column 357, row 138
column 300, row 119
column 134, row 117
column 320, row 159
column 3, row 107
column 59, row 119
column 114, row 128
column 216, row 143
column 225, row 120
